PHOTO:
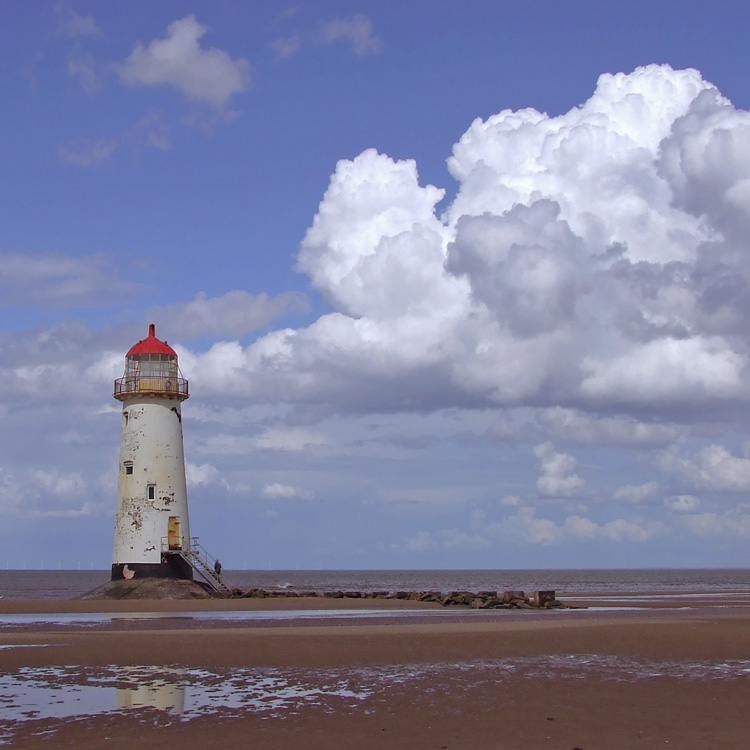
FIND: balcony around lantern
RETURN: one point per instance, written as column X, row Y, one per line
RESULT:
column 151, row 385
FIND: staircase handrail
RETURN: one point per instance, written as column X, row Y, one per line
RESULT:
column 200, row 560
column 208, row 560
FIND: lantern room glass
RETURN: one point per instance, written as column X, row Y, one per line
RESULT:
column 152, row 373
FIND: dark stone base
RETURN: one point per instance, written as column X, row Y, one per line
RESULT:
column 170, row 589
column 171, row 566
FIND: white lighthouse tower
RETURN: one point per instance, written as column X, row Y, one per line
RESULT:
column 152, row 531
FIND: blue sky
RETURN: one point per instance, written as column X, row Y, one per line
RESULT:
column 453, row 286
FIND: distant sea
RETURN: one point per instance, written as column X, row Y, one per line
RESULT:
column 67, row 584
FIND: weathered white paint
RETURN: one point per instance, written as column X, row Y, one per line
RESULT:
column 152, row 441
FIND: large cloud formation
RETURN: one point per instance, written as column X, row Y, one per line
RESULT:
column 555, row 356
column 595, row 261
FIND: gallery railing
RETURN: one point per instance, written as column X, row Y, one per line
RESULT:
column 151, row 384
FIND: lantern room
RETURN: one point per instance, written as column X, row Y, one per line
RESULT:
column 151, row 368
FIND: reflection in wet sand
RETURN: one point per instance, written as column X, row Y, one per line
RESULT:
column 165, row 692
column 76, row 691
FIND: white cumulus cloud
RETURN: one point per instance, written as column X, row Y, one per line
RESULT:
column 558, row 477
column 202, row 474
column 573, row 270
column 61, row 485
column 525, row 525
column 207, row 75
column 713, row 468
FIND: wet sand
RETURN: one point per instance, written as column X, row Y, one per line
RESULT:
column 609, row 678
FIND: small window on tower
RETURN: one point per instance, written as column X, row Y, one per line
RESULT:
column 152, row 492
column 128, row 467
column 125, row 417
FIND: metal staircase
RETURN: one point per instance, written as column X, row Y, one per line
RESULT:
column 202, row 563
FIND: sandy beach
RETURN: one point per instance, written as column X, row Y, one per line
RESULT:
column 208, row 674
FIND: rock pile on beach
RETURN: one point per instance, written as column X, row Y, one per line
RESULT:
column 170, row 588
column 475, row 600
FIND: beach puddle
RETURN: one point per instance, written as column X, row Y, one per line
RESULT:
column 179, row 694
column 93, row 619
column 73, row 692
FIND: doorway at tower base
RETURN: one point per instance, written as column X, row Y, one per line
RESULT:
column 171, row 566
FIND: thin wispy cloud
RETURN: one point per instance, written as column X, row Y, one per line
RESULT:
column 83, row 67
column 74, row 25
column 151, row 131
column 358, row 31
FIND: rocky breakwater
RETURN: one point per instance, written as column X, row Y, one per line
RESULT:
column 474, row 600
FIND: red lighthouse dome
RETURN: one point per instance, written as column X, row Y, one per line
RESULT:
column 151, row 345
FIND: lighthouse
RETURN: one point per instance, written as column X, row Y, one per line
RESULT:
column 152, row 531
